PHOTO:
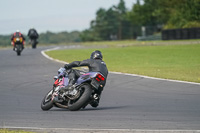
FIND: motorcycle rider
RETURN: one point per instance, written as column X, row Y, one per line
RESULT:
column 32, row 34
column 15, row 35
column 95, row 64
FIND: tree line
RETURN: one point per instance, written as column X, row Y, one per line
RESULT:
column 47, row 38
column 118, row 23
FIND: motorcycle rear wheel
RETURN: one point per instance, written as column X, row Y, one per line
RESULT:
column 82, row 101
column 33, row 43
column 47, row 103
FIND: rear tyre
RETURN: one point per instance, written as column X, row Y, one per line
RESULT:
column 83, row 100
column 34, row 44
column 47, row 103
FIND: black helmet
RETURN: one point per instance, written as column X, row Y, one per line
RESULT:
column 96, row 55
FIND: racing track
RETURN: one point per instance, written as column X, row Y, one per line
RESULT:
column 128, row 102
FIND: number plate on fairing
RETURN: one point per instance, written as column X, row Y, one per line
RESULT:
column 95, row 84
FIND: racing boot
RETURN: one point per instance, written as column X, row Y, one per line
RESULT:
column 95, row 102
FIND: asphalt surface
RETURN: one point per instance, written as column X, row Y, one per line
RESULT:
column 128, row 102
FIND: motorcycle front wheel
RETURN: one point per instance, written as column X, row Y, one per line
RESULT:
column 47, row 102
column 18, row 50
column 83, row 99
column 18, row 53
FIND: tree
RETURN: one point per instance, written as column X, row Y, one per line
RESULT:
column 186, row 14
column 120, row 10
column 171, row 13
column 108, row 23
column 153, row 14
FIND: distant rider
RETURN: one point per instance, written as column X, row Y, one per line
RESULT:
column 95, row 64
column 17, row 34
column 33, row 35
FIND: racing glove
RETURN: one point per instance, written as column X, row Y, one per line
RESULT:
column 66, row 66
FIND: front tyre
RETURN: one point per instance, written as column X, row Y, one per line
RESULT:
column 83, row 100
column 47, row 102
column 18, row 50
column 18, row 53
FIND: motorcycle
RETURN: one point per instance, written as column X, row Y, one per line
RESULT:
column 18, row 45
column 82, row 93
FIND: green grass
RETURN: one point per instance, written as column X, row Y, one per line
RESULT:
column 13, row 131
column 179, row 62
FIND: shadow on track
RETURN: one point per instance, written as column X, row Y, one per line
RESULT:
column 91, row 109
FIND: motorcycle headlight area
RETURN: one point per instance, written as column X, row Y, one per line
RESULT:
column 60, row 79
column 57, row 88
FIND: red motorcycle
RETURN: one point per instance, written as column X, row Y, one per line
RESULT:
column 18, row 45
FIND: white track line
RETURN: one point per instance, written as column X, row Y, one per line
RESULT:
column 45, row 55
column 85, row 130
column 134, row 75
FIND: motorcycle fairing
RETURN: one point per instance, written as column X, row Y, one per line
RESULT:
column 90, row 76
column 18, row 40
column 86, row 77
column 59, row 82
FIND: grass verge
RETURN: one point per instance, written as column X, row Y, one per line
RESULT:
column 13, row 131
column 178, row 62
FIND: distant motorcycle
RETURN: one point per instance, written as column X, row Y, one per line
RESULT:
column 18, row 45
column 33, row 43
column 84, row 91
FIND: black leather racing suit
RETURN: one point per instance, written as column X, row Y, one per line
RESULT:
column 32, row 34
column 94, row 65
